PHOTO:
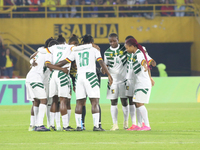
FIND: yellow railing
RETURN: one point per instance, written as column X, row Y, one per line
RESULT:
column 45, row 11
column 22, row 47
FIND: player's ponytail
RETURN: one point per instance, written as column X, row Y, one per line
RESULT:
column 73, row 38
column 132, row 41
column 61, row 39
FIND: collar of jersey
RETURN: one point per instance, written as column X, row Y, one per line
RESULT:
column 114, row 49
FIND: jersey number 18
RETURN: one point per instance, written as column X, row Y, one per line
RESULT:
column 83, row 59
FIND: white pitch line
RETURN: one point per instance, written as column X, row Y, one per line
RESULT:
column 101, row 143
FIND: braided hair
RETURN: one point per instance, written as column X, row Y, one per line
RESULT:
column 113, row 35
column 53, row 42
column 47, row 42
column 132, row 41
column 86, row 39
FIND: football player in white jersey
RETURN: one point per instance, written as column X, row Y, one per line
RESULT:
column 60, row 83
column 130, row 83
column 46, row 76
column 115, row 58
column 143, row 83
column 86, row 79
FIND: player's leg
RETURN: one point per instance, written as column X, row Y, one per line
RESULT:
column 142, row 109
column 53, row 112
column 83, row 116
column 36, row 110
column 114, row 114
column 69, row 112
column 78, row 113
column 125, row 111
column 41, row 113
column 63, row 111
column 57, row 115
column 132, row 110
column 32, row 119
column 100, row 126
column 95, row 113
column 124, row 102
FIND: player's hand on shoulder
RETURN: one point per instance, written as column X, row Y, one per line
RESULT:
column 34, row 64
column 96, row 46
column 65, row 70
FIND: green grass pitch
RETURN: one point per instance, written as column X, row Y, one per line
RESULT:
column 174, row 126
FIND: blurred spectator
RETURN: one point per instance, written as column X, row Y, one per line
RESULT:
column 2, row 62
column 189, row 9
column 105, row 9
column 10, row 63
column 100, row 2
column 141, row 1
column 1, row 8
column 1, row 45
column 166, row 7
column 131, row 2
column 21, row 9
column 52, row 8
column 137, row 7
column 171, row 1
column 148, row 8
column 122, row 8
column 8, row 3
column 180, row 7
column 63, row 3
column 34, row 9
column 73, row 9
column 94, row 15
column 86, row 8
column 88, row 2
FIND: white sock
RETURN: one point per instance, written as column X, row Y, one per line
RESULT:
column 65, row 120
column 139, row 117
column 125, row 112
column 52, row 116
column 48, row 115
column 96, row 119
column 36, row 109
column 57, row 118
column 132, row 109
column 42, row 110
column 32, row 121
column 69, row 114
column 114, row 113
column 78, row 119
column 144, row 115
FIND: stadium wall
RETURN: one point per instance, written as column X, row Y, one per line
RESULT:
column 158, row 30
column 166, row 90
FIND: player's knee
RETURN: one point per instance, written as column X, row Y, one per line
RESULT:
column 114, row 102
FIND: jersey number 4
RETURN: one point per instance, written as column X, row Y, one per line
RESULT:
column 83, row 59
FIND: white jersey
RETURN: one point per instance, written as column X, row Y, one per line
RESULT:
column 115, row 59
column 60, row 52
column 36, row 73
column 142, row 79
column 85, row 58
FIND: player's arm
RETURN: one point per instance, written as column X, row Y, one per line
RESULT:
column 103, row 66
column 106, row 62
column 144, row 64
column 33, row 55
column 51, row 66
column 152, row 62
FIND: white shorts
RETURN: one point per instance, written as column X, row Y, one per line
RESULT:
column 142, row 95
column 130, row 88
column 116, row 90
column 60, row 84
column 87, row 84
column 35, row 90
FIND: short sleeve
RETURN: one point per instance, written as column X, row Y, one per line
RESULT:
column 48, row 58
column 42, row 50
column 71, row 57
column 97, row 55
column 140, row 58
